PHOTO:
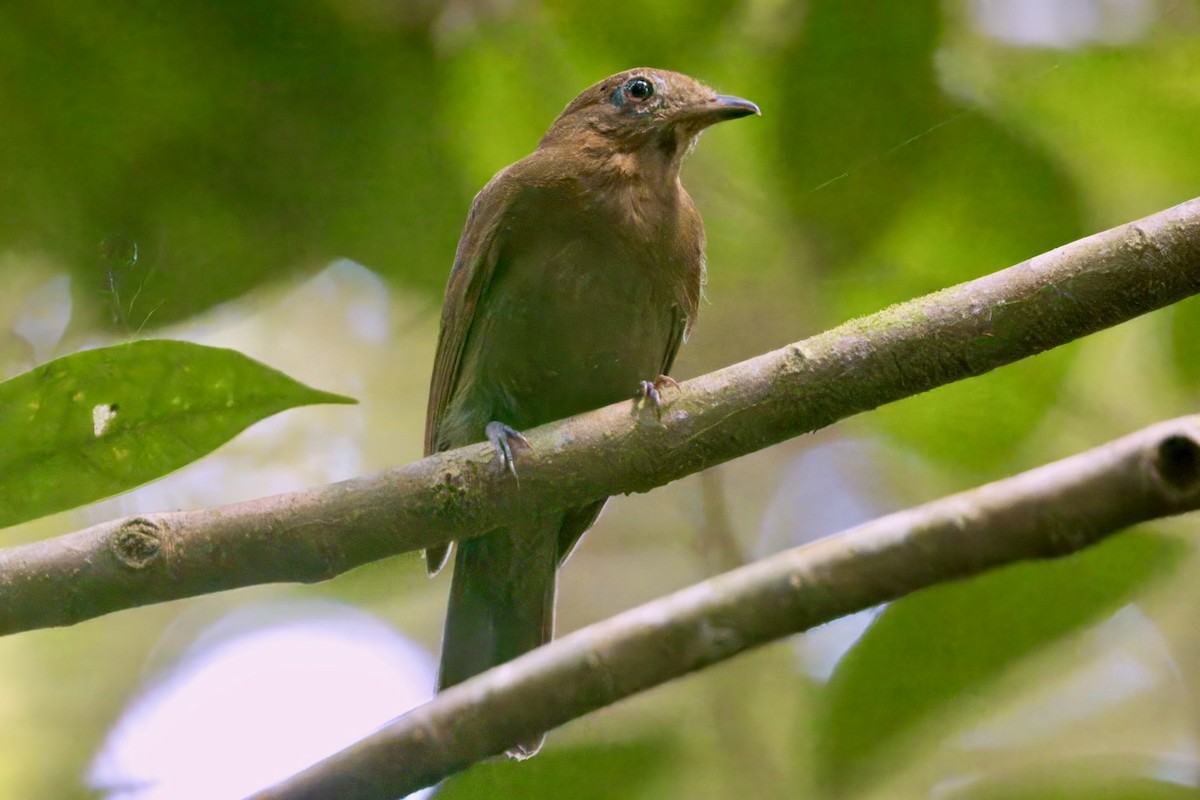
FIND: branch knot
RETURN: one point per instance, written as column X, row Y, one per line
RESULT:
column 1177, row 463
column 137, row 542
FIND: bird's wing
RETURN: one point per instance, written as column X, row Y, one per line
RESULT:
column 691, row 266
column 474, row 265
column 681, row 322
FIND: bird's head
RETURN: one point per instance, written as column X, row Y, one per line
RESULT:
column 645, row 110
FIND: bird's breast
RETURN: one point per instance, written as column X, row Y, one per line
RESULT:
column 572, row 320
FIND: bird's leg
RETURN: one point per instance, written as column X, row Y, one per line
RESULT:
column 502, row 436
column 652, row 390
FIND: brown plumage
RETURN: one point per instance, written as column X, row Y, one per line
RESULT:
column 577, row 277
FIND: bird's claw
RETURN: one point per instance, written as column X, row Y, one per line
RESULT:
column 502, row 436
column 652, row 390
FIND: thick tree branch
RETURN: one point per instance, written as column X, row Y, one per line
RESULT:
column 1056, row 509
column 310, row 536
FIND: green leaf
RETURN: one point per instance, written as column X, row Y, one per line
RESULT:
column 100, row 422
column 942, row 645
column 592, row 772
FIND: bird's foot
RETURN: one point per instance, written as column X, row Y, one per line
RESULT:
column 652, row 390
column 502, row 438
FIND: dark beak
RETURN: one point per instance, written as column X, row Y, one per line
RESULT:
column 717, row 108
column 726, row 106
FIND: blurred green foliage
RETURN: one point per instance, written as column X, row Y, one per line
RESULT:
column 604, row 772
column 930, row 653
column 1081, row 783
column 231, row 143
column 174, row 159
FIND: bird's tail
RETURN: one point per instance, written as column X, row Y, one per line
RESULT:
column 501, row 604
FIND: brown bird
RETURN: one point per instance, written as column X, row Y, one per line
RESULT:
column 577, row 277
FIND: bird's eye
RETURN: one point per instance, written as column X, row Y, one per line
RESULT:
column 639, row 88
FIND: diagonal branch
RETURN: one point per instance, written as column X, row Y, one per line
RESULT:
column 910, row 348
column 1050, row 511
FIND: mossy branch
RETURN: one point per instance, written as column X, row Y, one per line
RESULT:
column 1050, row 511
column 910, row 348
